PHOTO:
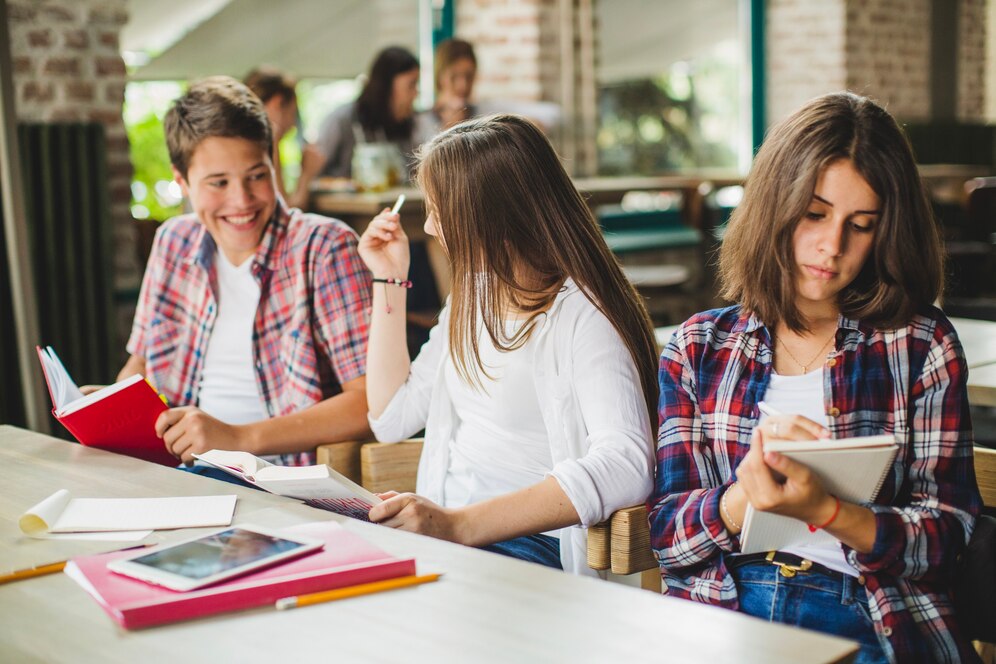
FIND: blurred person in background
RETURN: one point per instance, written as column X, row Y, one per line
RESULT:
column 276, row 90
column 383, row 113
column 455, row 68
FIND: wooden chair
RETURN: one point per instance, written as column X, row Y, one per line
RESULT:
column 622, row 546
column 377, row 467
column 985, row 475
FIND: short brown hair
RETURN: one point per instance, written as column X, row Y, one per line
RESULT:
column 268, row 82
column 504, row 202
column 215, row 106
column 905, row 270
column 448, row 52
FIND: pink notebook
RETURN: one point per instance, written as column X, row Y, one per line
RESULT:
column 347, row 559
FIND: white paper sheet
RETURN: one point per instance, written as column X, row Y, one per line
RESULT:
column 61, row 513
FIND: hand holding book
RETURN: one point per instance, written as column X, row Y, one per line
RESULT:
column 117, row 418
column 188, row 431
column 817, row 479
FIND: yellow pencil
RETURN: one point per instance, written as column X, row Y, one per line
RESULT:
column 354, row 591
column 17, row 575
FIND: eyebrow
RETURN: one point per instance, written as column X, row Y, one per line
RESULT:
column 225, row 175
column 823, row 200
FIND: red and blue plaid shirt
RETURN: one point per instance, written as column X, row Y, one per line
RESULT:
column 908, row 382
column 311, row 327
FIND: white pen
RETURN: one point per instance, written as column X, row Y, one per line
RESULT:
column 767, row 410
column 398, row 204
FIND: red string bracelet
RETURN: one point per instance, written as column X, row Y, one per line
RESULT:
column 401, row 283
column 833, row 517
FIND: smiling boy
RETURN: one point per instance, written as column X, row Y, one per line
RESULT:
column 252, row 318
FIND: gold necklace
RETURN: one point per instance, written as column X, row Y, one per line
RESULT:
column 805, row 367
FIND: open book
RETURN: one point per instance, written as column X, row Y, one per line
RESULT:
column 318, row 486
column 118, row 418
column 852, row 469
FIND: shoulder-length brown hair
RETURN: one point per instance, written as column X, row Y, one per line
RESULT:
column 515, row 228
column 905, row 270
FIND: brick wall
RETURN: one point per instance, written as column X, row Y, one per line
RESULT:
column 67, row 68
column 972, row 83
column 879, row 48
column 520, row 56
column 507, row 41
column 804, row 53
column 888, row 54
column 990, row 66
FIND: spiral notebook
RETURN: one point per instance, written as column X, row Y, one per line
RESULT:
column 853, row 469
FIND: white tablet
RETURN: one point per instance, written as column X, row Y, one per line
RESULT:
column 214, row 557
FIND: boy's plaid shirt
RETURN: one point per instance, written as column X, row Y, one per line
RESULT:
column 909, row 382
column 312, row 323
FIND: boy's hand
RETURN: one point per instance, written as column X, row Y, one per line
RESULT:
column 189, row 430
column 90, row 389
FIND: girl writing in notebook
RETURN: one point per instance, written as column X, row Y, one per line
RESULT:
column 537, row 387
column 834, row 261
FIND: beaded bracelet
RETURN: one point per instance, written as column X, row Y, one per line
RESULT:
column 833, row 517
column 726, row 512
column 401, row 283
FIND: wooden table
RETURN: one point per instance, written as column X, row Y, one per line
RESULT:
column 358, row 208
column 982, row 386
column 978, row 338
column 486, row 608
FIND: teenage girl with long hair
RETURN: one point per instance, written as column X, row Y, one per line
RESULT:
column 537, row 387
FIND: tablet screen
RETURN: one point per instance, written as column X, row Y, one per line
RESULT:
column 217, row 553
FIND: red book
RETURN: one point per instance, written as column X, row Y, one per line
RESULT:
column 346, row 560
column 118, row 418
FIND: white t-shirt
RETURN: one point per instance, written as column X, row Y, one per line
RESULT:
column 499, row 442
column 803, row 395
column 228, row 388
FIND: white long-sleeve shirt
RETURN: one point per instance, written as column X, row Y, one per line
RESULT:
column 592, row 404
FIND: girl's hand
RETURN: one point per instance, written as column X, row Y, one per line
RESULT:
column 407, row 511
column 791, row 427
column 774, row 483
column 384, row 247
column 452, row 111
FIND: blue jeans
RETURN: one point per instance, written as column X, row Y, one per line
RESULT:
column 811, row 600
column 541, row 549
column 215, row 474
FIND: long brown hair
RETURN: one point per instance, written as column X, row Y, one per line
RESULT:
column 905, row 271
column 515, row 228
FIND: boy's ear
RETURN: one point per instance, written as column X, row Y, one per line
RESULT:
column 179, row 179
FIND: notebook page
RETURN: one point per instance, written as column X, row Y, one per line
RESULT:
column 313, row 482
column 238, row 463
column 100, row 514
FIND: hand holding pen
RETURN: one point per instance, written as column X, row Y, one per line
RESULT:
column 384, row 245
column 779, row 426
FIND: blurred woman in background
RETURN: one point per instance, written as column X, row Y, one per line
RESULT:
column 383, row 113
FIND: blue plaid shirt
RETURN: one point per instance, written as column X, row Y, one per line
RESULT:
column 908, row 382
